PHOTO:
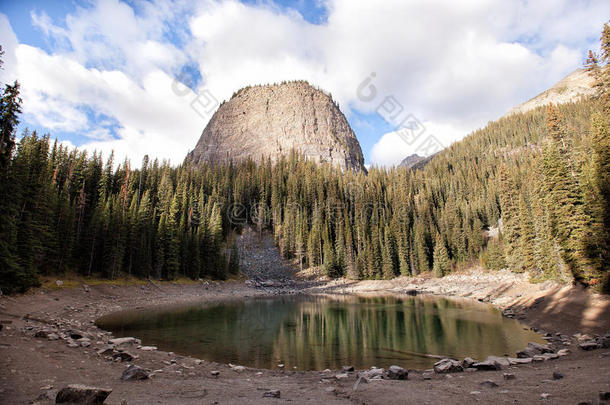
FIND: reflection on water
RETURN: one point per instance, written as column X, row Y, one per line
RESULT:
column 318, row 332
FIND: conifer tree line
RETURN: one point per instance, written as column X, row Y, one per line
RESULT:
column 541, row 179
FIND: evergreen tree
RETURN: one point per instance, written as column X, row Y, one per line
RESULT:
column 442, row 264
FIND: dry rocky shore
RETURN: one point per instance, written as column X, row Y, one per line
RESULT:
column 50, row 349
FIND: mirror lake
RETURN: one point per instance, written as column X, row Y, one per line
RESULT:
column 315, row 332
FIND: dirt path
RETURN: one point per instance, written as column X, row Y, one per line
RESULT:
column 29, row 366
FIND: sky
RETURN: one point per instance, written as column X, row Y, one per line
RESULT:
column 412, row 76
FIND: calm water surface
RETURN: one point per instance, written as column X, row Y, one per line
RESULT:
column 319, row 332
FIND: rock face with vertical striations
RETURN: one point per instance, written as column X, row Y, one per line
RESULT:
column 272, row 120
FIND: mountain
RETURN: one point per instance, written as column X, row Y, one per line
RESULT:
column 272, row 120
column 573, row 87
column 415, row 161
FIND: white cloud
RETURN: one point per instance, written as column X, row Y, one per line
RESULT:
column 454, row 65
column 392, row 148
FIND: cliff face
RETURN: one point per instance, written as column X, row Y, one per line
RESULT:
column 271, row 120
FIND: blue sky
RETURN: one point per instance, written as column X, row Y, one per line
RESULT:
column 102, row 74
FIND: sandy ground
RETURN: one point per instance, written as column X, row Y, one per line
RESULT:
column 31, row 367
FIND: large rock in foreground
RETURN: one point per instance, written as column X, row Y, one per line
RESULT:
column 82, row 394
column 272, row 120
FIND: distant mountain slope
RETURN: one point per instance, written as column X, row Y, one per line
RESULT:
column 573, row 87
column 415, row 161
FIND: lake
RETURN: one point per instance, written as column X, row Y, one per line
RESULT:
column 318, row 332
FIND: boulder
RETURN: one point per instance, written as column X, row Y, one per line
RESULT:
column 488, row 384
column 237, row 369
column 467, row 362
column 502, row 361
column 397, row 373
column 447, row 366
column 603, row 342
column 122, row 341
column 514, row 361
column 82, row 394
column 347, row 369
column 122, row 356
column 134, row 373
column 488, row 365
column 272, row 394
column 604, row 395
column 342, row 376
column 106, row 350
column 148, row 348
column 591, row 345
column 42, row 333
column 373, row 374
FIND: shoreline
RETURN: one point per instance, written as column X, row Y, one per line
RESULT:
column 33, row 363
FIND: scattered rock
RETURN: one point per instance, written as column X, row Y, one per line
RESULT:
column 487, row 365
column 488, row 384
column 122, row 341
column 48, row 396
column 84, row 342
column 467, row 362
column 82, row 394
column 563, row 352
column 106, row 350
column 122, row 356
column 427, row 376
column 342, row 376
column 272, row 394
column 603, row 342
column 514, row 361
column 475, row 392
column 53, row 336
column 588, row 346
column 42, row 333
column 148, row 348
column 237, row 369
column 215, row 373
column 509, row 376
column 397, row 373
column 557, row 375
column 545, row 395
column 534, row 349
column 134, row 373
column 373, row 374
column 447, row 366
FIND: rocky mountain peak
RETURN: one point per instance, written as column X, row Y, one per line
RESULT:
column 272, row 120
